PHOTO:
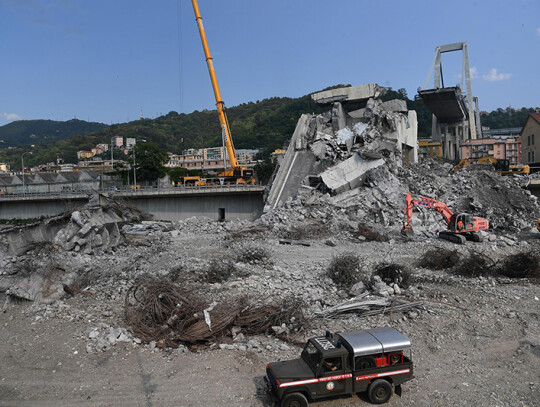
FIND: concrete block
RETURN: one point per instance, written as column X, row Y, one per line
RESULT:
column 394, row 105
column 349, row 174
column 85, row 230
column 358, row 114
column 319, row 149
column 352, row 93
column 339, row 117
column 359, row 128
column 77, row 217
column 344, row 135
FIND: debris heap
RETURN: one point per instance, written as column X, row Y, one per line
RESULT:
column 336, row 150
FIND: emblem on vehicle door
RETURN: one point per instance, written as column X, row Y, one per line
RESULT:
column 330, row 386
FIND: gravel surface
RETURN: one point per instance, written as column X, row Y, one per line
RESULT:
column 475, row 343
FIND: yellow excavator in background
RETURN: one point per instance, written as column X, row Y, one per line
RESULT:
column 236, row 174
column 502, row 166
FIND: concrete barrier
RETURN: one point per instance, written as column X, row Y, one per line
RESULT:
column 231, row 202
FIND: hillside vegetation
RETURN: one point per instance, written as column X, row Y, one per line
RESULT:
column 266, row 124
column 23, row 132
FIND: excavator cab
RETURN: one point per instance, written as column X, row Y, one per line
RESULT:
column 461, row 222
column 502, row 165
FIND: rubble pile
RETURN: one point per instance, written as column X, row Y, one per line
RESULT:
column 36, row 261
column 343, row 167
column 379, row 202
column 336, row 150
column 95, row 228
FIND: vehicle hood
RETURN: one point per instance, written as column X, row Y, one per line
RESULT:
column 291, row 369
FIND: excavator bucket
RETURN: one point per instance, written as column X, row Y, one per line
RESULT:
column 407, row 229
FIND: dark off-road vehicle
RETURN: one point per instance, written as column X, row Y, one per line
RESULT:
column 342, row 364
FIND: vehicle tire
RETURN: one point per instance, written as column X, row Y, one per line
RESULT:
column 379, row 391
column 365, row 362
column 294, row 400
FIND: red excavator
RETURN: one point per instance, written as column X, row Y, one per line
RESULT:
column 461, row 226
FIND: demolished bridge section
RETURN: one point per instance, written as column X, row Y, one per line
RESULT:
column 335, row 150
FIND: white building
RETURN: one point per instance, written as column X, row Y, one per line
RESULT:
column 130, row 142
column 118, row 141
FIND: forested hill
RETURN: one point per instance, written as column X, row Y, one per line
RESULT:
column 265, row 124
column 23, row 132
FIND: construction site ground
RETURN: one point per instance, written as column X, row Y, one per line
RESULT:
column 478, row 345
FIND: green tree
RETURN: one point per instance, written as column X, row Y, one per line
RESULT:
column 265, row 169
column 149, row 161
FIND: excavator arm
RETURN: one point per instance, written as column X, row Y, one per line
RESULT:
column 427, row 203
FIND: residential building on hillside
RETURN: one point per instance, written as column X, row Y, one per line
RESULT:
column 530, row 137
column 500, row 148
column 213, row 153
column 95, row 165
column 4, row 167
column 130, row 142
column 97, row 150
column 84, row 154
column 246, row 156
column 104, row 147
column 512, row 132
column 210, row 159
column 118, row 141
column 431, row 149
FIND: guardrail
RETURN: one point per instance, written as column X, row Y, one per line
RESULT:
column 144, row 190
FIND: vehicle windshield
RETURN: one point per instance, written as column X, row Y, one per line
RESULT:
column 311, row 356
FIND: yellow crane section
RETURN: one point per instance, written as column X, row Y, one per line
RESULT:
column 219, row 102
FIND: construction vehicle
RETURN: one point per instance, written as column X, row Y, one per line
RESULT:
column 377, row 361
column 461, row 226
column 502, row 166
column 538, row 224
column 236, row 174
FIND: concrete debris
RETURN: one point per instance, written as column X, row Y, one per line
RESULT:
column 349, row 174
column 48, row 272
column 351, row 93
column 333, row 151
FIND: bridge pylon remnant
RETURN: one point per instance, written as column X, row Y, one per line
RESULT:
column 454, row 119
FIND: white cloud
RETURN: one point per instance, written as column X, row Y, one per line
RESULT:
column 10, row 116
column 473, row 71
column 493, row 76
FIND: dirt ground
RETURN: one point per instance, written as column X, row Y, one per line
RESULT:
column 478, row 345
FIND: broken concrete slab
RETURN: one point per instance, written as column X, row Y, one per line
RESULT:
column 394, row 105
column 349, row 174
column 351, row 93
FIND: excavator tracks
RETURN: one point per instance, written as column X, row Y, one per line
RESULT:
column 452, row 237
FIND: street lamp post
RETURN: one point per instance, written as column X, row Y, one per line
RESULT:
column 112, row 155
column 135, row 166
column 22, row 164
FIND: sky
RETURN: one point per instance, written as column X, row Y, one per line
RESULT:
column 105, row 60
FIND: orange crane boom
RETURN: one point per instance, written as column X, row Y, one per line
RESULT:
column 219, row 101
